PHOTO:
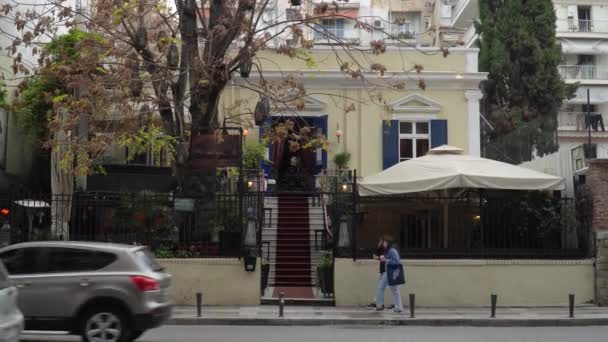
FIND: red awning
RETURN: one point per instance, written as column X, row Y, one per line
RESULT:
column 352, row 13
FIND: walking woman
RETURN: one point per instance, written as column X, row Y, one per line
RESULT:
column 395, row 271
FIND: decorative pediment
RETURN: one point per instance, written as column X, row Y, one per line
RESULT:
column 311, row 104
column 415, row 103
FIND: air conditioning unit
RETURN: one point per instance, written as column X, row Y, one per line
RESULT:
column 378, row 23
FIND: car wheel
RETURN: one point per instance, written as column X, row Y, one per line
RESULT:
column 105, row 324
column 136, row 334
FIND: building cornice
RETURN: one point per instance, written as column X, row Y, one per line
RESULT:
column 337, row 79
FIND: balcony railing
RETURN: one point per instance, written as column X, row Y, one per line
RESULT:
column 577, row 121
column 403, row 32
column 582, row 72
column 582, row 25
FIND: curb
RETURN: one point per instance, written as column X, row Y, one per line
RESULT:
column 436, row 322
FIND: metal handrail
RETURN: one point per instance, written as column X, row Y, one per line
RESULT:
column 582, row 72
column 325, row 224
column 582, row 25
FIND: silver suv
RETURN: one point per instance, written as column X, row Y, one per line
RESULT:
column 103, row 292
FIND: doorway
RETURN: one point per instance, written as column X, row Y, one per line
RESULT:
column 294, row 162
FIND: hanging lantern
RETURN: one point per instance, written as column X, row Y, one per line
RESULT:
column 246, row 64
column 262, row 110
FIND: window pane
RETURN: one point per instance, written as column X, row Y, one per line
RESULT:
column 405, row 127
column 422, row 128
column 22, row 261
column 422, row 147
column 146, row 257
column 78, row 260
column 406, row 149
column 4, row 282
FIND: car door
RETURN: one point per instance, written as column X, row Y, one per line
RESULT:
column 71, row 277
column 26, row 268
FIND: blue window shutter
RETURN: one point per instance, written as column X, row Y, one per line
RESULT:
column 323, row 126
column 439, row 133
column 390, row 143
column 266, row 166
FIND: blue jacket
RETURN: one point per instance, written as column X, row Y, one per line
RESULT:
column 392, row 256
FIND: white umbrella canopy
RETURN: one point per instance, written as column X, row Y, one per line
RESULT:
column 29, row 203
column 448, row 167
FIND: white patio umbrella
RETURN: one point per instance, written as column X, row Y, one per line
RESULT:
column 31, row 206
column 448, row 167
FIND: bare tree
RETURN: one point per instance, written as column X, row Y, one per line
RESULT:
column 180, row 58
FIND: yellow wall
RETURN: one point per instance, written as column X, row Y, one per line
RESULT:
column 469, row 283
column 394, row 59
column 361, row 128
column 362, row 135
column 221, row 281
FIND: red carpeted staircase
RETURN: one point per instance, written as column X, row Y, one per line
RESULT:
column 293, row 248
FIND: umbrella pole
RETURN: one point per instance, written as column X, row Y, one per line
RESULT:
column 445, row 223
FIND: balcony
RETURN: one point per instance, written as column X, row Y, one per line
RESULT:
column 583, row 72
column 577, row 121
column 582, row 26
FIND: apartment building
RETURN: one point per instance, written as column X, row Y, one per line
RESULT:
column 582, row 29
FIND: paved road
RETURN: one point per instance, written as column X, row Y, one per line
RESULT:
column 361, row 334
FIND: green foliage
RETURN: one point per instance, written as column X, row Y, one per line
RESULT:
column 33, row 108
column 326, row 261
column 163, row 252
column 253, row 154
column 148, row 139
column 342, row 160
column 524, row 90
column 144, row 212
column 3, row 95
column 65, row 48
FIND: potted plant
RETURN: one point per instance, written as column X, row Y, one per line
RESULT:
column 325, row 275
column 265, row 275
column 215, row 227
column 342, row 160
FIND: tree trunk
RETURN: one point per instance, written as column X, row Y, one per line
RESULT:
column 62, row 187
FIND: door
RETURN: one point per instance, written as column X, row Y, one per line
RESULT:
column 25, row 266
column 70, row 279
column 584, row 18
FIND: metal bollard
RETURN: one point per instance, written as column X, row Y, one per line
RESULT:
column 412, row 305
column 493, row 300
column 571, row 304
column 199, row 304
column 282, row 304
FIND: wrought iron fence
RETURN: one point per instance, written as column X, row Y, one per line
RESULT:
column 513, row 226
column 173, row 225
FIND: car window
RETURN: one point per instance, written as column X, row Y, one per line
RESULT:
column 146, row 258
column 23, row 261
column 4, row 281
column 77, row 260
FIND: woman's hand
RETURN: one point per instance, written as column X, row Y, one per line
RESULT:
column 382, row 258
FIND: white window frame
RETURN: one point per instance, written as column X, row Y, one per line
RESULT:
column 414, row 136
column 331, row 31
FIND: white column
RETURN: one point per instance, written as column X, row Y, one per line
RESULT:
column 473, row 97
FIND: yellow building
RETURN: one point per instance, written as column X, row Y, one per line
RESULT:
column 393, row 126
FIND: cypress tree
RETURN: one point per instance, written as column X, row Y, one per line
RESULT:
column 524, row 90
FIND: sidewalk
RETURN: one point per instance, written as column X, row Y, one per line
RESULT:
column 316, row 316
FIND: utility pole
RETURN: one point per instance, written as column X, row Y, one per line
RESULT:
column 589, row 123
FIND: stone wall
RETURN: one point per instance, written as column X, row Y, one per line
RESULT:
column 469, row 283
column 601, row 269
column 597, row 187
column 597, row 182
column 221, row 281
